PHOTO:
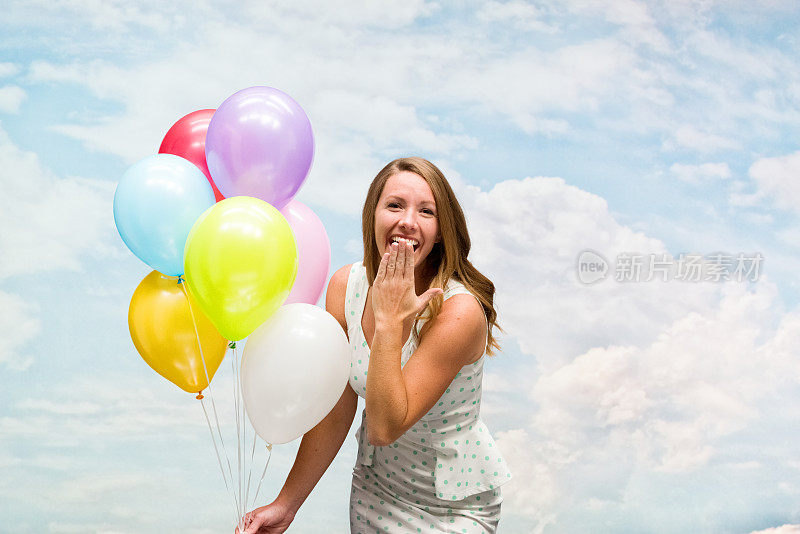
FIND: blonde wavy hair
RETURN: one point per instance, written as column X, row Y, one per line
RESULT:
column 448, row 258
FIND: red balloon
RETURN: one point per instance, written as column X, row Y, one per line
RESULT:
column 187, row 139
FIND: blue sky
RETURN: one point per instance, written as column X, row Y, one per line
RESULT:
column 618, row 126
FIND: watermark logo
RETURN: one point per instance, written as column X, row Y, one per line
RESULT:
column 591, row 267
column 687, row 267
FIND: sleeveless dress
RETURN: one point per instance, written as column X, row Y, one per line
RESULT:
column 444, row 473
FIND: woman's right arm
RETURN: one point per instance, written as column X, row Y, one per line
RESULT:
column 318, row 446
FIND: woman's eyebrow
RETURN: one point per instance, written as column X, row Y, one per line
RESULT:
column 395, row 197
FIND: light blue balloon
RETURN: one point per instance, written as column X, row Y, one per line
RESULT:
column 156, row 203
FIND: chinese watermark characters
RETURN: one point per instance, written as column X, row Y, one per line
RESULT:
column 592, row 267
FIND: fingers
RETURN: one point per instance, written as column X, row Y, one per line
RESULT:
column 409, row 267
column 390, row 266
column 400, row 268
column 246, row 522
column 382, row 267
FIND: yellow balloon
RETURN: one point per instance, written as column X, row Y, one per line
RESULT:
column 240, row 263
column 162, row 326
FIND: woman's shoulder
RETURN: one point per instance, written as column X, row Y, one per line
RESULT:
column 339, row 278
column 336, row 293
column 465, row 303
column 343, row 273
column 460, row 323
column 454, row 287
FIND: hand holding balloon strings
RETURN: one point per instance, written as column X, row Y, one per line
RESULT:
column 165, row 211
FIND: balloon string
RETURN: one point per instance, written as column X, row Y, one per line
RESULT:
column 224, row 450
column 196, row 333
column 210, row 394
column 216, row 450
column 245, row 466
column 244, row 431
column 250, row 471
column 269, row 452
column 235, row 373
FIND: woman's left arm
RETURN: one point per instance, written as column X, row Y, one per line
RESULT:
column 397, row 397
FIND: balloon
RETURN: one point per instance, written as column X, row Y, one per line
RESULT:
column 294, row 369
column 187, row 139
column 155, row 205
column 240, row 262
column 313, row 253
column 260, row 144
column 162, row 326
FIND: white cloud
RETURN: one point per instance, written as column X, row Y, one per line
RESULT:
column 46, row 222
column 354, row 247
column 19, row 325
column 658, row 410
column 8, row 69
column 783, row 529
column 570, row 79
column 697, row 174
column 60, row 408
column 539, row 88
column 655, row 376
column 138, row 441
column 11, row 98
column 389, row 14
column 778, row 179
column 633, row 17
column 690, row 137
column 535, row 489
column 114, row 16
column 364, row 101
column 790, row 237
column 527, row 235
column 522, row 15
column 386, row 124
column 95, row 488
column 70, row 527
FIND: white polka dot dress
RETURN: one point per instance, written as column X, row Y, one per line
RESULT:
column 444, row 474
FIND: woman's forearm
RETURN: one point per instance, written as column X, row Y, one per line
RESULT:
column 317, row 450
column 386, row 400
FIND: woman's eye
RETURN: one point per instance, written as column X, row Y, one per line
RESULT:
column 393, row 205
column 429, row 212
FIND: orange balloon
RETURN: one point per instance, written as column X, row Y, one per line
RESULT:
column 162, row 318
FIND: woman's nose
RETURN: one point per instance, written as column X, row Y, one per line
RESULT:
column 409, row 220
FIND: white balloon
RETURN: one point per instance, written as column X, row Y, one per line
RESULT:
column 294, row 369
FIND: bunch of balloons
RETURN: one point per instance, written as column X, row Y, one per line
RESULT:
column 213, row 214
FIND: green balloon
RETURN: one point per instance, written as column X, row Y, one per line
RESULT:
column 240, row 264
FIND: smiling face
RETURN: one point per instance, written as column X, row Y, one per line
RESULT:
column 407, row 210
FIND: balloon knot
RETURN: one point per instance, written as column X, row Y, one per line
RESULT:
column 180, row 278
column 199, row 396
column 232, row 345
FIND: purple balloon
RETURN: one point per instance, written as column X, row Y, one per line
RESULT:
column 313, row 253
column 260, row 144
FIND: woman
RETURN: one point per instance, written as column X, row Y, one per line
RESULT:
column 419, row 318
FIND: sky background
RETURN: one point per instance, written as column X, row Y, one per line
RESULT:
column 618, row 126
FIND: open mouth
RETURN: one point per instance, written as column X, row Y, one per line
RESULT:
column 401, row 240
